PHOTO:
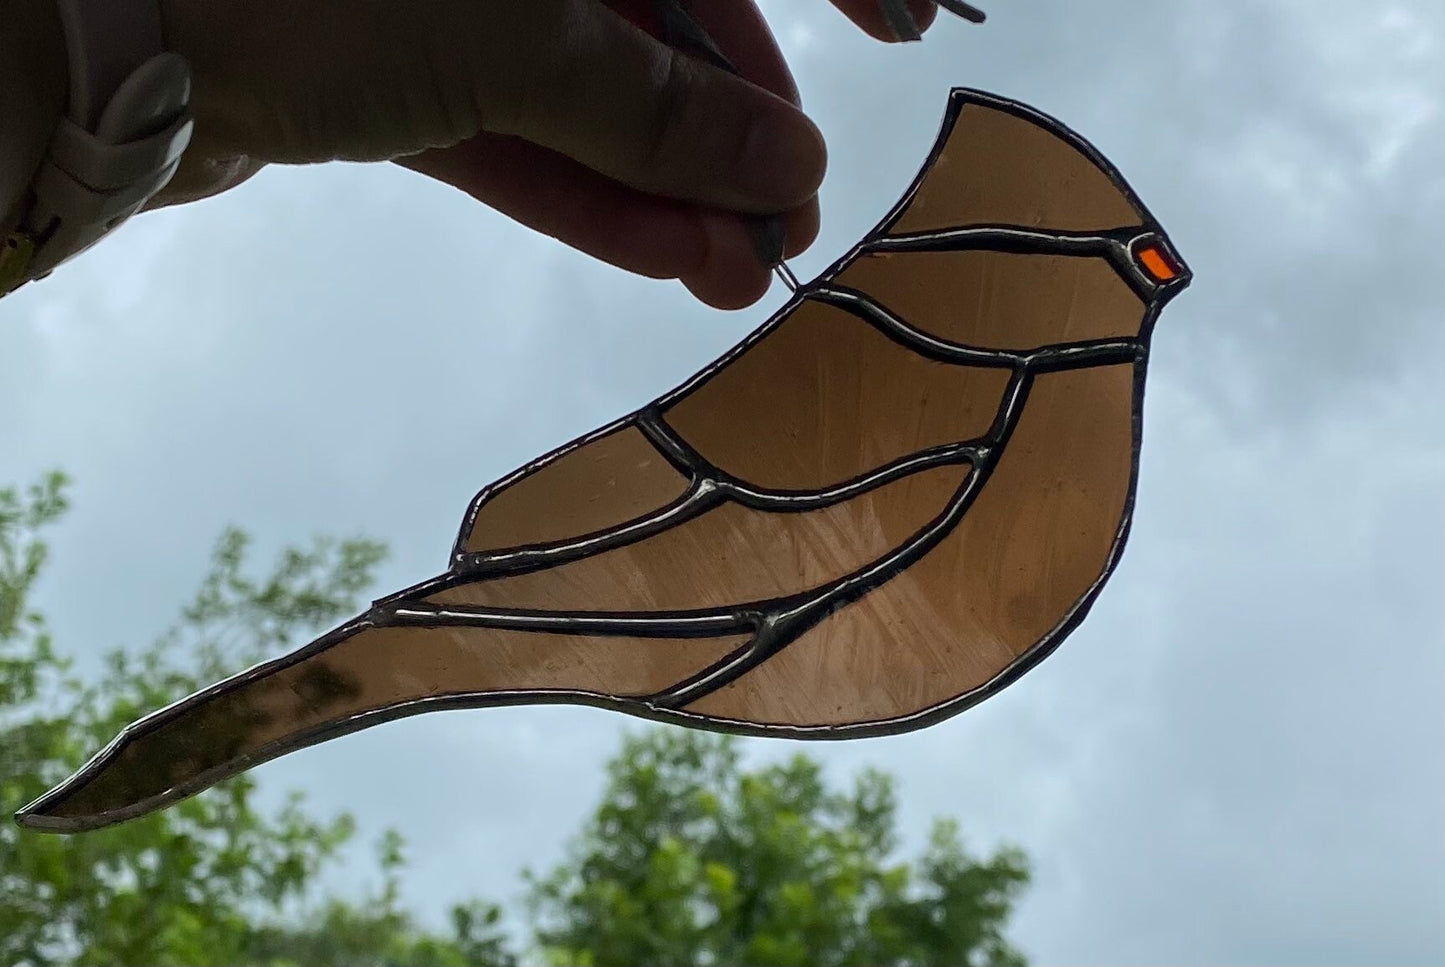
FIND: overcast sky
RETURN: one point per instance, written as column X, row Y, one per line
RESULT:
column 1240, row 757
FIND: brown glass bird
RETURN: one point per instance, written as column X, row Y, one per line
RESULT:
column 887, row 503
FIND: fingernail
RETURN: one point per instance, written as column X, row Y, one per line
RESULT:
column 965, row 10
column 783, row 159
column 900, row 20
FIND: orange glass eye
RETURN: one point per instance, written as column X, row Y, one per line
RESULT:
column 1156, row 263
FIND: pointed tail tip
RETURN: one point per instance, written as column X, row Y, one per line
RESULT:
column 49, row 815
column 44, row 816
column 36, row 819
column 93, row 797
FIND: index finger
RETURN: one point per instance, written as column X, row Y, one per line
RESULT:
column 576, row 77
column 742, row 33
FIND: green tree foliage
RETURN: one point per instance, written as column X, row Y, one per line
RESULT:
column 340, row 934
column 215, row 879
column 690, row 859
column 693, row 859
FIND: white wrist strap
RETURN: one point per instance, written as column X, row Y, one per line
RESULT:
column 126, row 126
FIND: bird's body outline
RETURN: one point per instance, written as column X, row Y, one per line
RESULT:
column 1143, row 259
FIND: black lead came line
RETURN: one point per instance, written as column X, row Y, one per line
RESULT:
column 710, row 486
column 787, row 619
column 683, row 456
column 699, row 498
column 702, row 624
column 774, row 622
column 1011, row 239
column 948, row 454
column 1055, row 356
column 706, row 474
column 708, row 493
column 863, row 306
column 1116, row 246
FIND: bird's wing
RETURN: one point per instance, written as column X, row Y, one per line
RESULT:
column 886, row 503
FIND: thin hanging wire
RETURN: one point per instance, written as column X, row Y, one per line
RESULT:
column 786, row 275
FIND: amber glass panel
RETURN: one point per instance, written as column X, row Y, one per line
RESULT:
column 375, row 669
column 728, row 556
column 998, row 169
column 826, row 397
column 1157, row 264
column 1029, row 549
column 609, row 481
column 1000, row 300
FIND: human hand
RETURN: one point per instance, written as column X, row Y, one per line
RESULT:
column 566, row 115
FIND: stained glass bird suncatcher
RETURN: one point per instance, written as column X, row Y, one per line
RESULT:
column 884, row 505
